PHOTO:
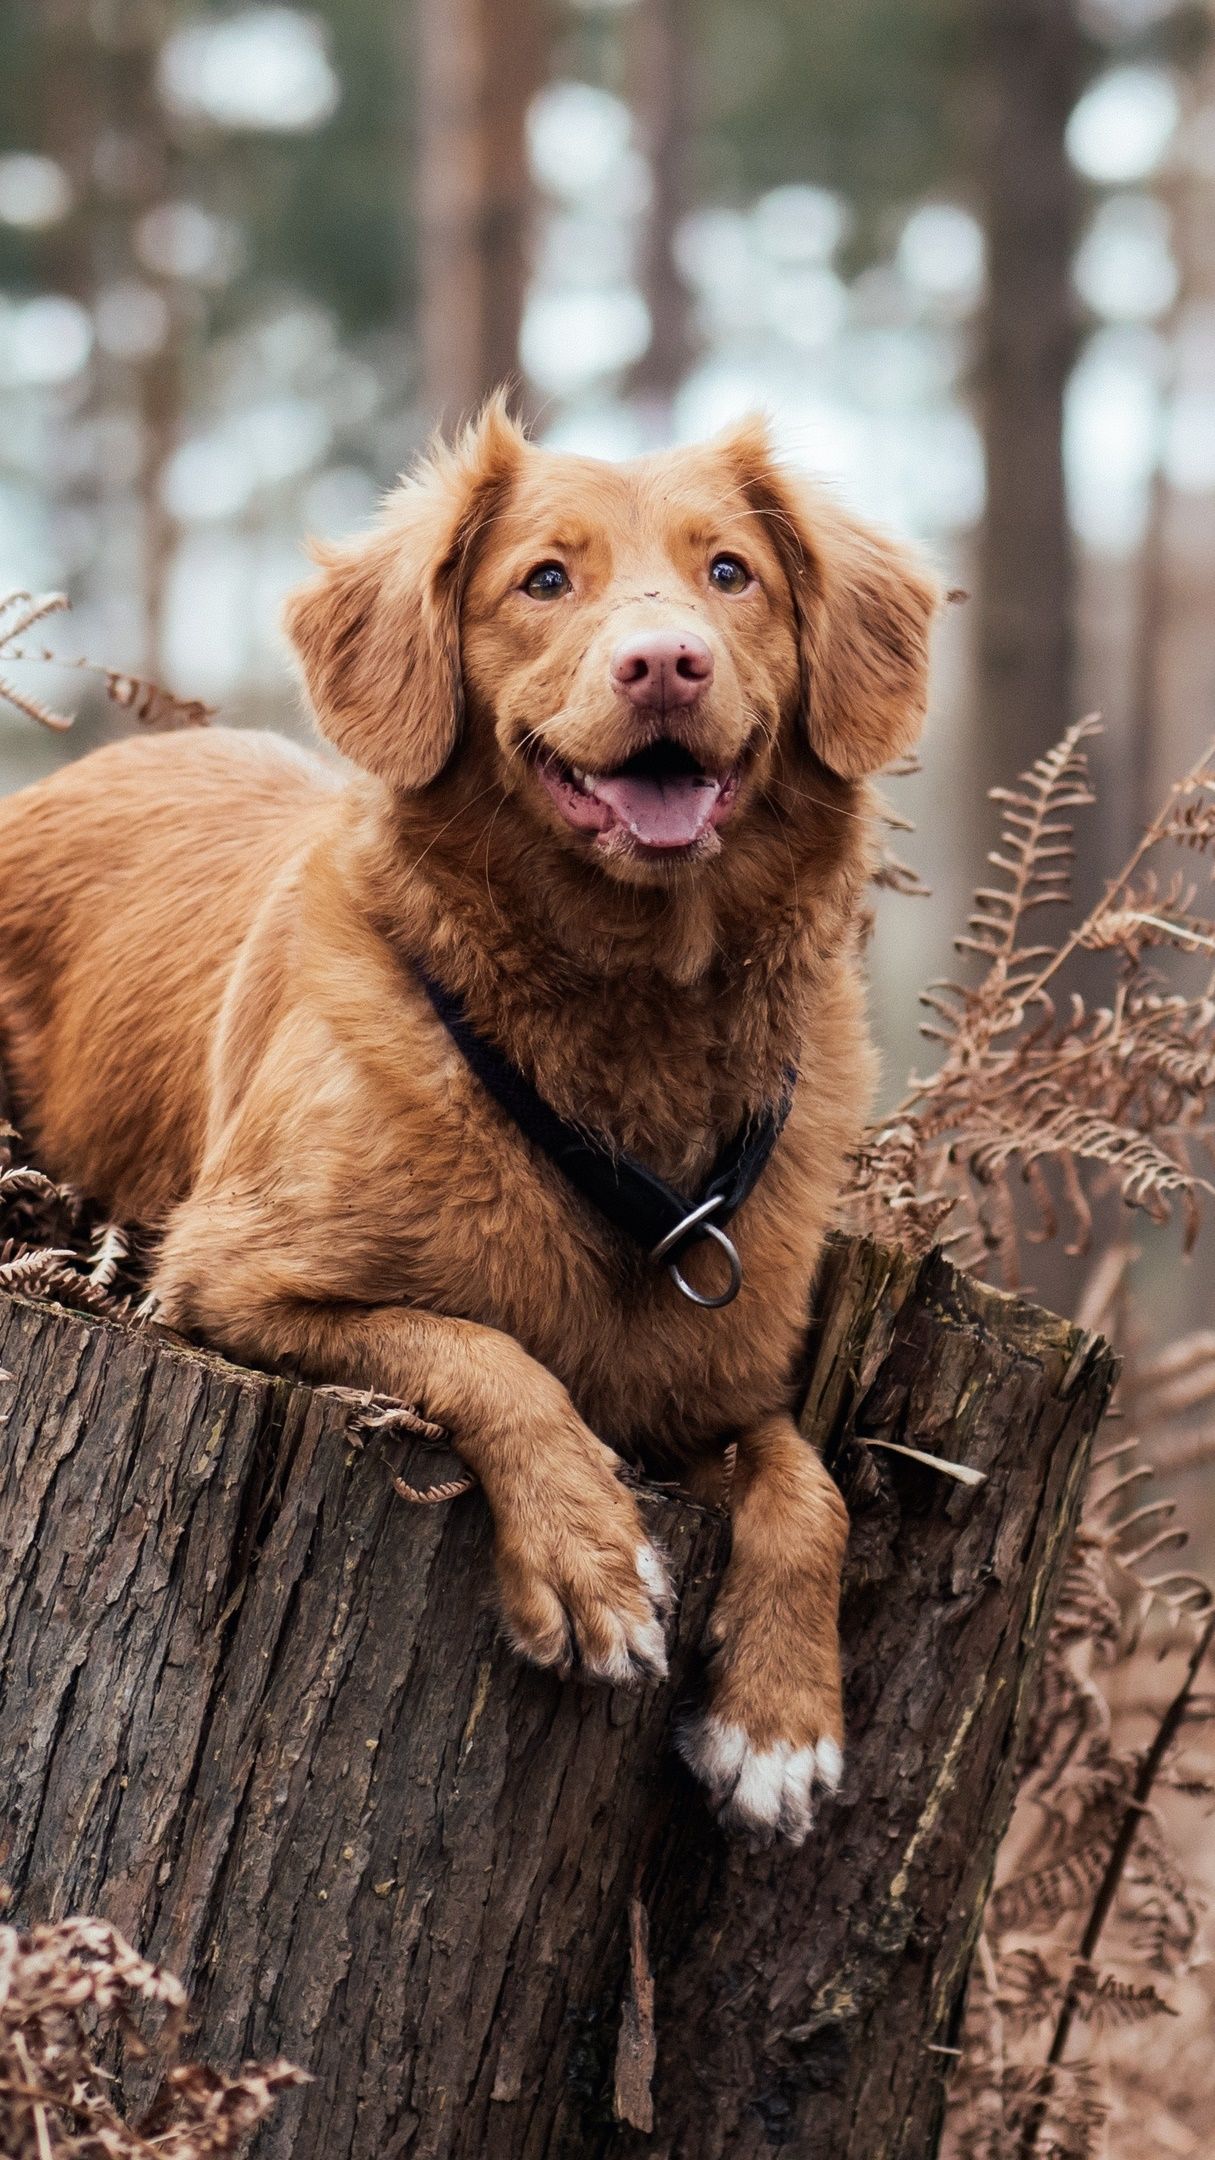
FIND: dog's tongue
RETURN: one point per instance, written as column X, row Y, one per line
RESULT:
column 660, row 813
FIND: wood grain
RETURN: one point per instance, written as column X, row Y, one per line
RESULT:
column 255, row 1712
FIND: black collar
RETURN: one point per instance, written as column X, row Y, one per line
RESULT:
column 635, row 1200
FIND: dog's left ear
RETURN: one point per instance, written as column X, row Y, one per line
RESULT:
column 378, row 631
column 864, row 608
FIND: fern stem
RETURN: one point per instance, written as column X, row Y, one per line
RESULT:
column 1107, row 1889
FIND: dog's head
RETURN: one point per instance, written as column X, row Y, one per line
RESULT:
column 633, row 655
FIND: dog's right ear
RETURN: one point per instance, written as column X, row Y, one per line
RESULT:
column 377, row 632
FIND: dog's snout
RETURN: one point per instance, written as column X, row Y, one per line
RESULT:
column 662, row 668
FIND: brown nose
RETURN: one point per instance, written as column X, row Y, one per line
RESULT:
column 662, row 668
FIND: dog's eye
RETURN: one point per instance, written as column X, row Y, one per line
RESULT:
column 729, row 574
column 546, row 582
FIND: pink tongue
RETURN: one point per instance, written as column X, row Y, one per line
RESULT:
column 660, row 813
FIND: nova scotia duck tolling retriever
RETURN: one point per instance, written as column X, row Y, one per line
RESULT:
column 510, row 1066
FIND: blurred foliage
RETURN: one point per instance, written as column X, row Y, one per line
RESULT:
column 855, row 95
column 325, row 210
column 858, row 97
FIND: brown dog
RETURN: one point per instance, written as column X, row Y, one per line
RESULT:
column 610, row 728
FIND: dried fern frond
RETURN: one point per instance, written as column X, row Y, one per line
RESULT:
column 892, row 874
column 60, row 1986
column 45, row 1273
column 1034, row 1902
column 1064, row 2108
column 21, row 612
column 148, row 702
column 1107, row 2000
column 151, row 704
column 52, row 1245
column 1035, row 851
column 1044, row 1100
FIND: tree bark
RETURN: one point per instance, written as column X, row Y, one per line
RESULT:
column 478, row 66
column 662, row 50
column 1029, row 81
column 255, row 1712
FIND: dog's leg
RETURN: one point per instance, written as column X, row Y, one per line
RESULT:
column 774, row 1728
column 580, row 1582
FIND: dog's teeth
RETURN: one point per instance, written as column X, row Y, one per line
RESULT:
column 583, row 778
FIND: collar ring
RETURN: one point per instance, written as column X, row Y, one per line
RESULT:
column 696, row 1223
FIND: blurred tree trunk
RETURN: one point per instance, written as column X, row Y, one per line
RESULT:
column 478, row 66
column 661, row 61
column 136, row 113
column 1030, row 59
column 106, row 126
column 70, row 132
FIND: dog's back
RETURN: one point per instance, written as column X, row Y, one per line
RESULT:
column 147, row 859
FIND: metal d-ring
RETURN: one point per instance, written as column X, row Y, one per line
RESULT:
column 697, row 1223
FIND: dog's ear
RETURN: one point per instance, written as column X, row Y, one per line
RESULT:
column 377, row 632
column 863, row 607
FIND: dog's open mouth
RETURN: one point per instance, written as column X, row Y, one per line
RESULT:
column 662, row 797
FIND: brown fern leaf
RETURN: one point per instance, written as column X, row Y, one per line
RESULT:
column 1028, row 1989
column 1194, row 824
column 152, row 705
column 110, row 1251
column 21, row 612
column 33, row 708
column 1149, row 915
column 1032, row 1903
column 25, row 1183
column 1146, row 1174
column 1035, row 852
column 148, row 702
column 1060, row 2108
column 894, row 875
column 1159, row 1912
column 63, row 1982
column 1065, row 2102
column 1041, row 1102
column 43, row 1272
column 1107, row 2000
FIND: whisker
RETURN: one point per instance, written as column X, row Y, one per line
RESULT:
column 823, row 802
column 452, row 820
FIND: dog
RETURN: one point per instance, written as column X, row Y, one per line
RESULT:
column 603, row 827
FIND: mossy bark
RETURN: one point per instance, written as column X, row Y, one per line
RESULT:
column 255, row 1712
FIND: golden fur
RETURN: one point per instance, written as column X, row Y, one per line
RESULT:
column 210, row 1021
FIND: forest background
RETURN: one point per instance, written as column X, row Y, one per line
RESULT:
column 962, row 251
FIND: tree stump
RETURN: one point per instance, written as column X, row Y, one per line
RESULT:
column 255, row 1712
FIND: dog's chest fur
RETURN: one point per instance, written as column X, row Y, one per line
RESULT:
column 400, row 1180
column 435, row 1199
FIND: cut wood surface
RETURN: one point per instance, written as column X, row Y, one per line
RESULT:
column 255, row 1712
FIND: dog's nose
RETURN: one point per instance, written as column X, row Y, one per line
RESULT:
column 662, row 668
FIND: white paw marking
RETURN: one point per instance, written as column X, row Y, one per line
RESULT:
column 654, row 1576
column 830, row 1764
column 767, row 1791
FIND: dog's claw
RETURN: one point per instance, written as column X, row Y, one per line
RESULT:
column 602, row 1634
column 762, row 1793
column 637, row 1649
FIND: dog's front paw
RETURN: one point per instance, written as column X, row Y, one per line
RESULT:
column 582, row 1586
column 763, row 1792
